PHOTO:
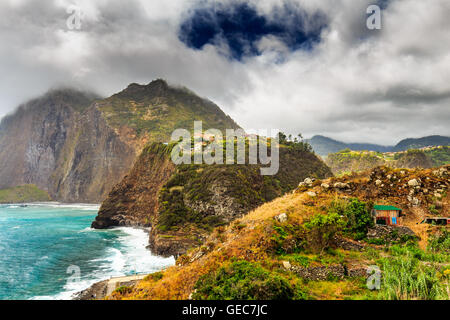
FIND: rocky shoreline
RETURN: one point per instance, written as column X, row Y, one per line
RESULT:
column 102, row 289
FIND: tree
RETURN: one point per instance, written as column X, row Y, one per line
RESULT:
column 282, row 138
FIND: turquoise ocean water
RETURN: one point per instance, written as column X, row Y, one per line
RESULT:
column 49, row 251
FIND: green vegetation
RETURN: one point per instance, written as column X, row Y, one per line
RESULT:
column 357, row 215
column 411, row 273
column 194, row 191
column 439, row 156
column 244, row 280
column 123, row 290
column 294, row 142
column 154, row 276
column 408, row 271
column 347, row 161
column 157, row 109
column 405, row 279
column 318, row 234
column 322, row 229
column 440, row 242
column 22, row 194
column 422, row 142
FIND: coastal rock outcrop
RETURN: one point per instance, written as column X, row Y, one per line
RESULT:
column 182, row 204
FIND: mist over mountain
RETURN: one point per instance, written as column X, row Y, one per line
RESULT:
column 77, row 146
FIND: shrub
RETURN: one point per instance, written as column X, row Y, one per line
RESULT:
column 359, row 218
column 288, row 238
column 357, row 215
column 154, row 276
column 322, row 229
column 243, row 280
column 123, row 290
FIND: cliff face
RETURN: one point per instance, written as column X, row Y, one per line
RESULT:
column 133, row 201
column 77, row 146
column 183, row 203
column 62, row 144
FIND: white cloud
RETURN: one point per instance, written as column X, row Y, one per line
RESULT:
column 356, row 85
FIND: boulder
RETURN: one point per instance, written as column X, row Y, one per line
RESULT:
column 341, row 185
column 413, row 183
column 287, row 265
column 281, row 218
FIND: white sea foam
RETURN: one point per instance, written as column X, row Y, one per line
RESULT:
column 130, row 257
column 79, row 206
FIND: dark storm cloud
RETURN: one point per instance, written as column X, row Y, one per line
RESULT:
column 401, row 96
column 240, row 27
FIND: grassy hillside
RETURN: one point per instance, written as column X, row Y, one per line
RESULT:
column 22, row 194
column 157, row 109
column 347, row 161
column 324, row 146
column 318, row 244
column 184, row 203
column 439, row 156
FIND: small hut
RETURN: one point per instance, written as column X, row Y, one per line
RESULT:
column 386, row 215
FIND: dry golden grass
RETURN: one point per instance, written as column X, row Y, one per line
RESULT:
column 249, row 238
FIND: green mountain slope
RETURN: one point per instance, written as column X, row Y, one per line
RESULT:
column 422, row 142
column 77, row 146
column 347, row 161
column 324, row 146
column 182, row 203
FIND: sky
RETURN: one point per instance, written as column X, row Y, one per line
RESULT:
column 301, row 66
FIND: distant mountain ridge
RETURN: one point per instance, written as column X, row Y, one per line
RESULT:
column 323, row 145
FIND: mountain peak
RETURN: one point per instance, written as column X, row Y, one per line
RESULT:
column 157, row 87
column 158, row 83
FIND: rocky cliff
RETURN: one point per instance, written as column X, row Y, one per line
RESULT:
column 77, row 146
column 183, row 203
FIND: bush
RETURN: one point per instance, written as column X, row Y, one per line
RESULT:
column 322, row 229
column 359, row 218
column 288, row 238
column 123, row 290
column 154, row 276
column 376, row 241
column 243, row 280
